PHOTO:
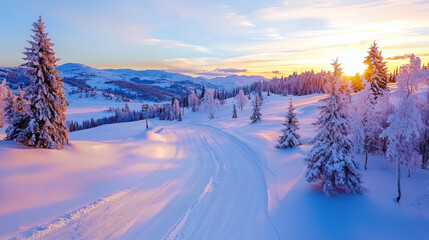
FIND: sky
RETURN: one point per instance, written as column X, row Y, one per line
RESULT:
column 217, row 38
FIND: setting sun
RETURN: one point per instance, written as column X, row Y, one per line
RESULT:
column 352, row 62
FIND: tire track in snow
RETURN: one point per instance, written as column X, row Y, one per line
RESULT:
column 194, row 214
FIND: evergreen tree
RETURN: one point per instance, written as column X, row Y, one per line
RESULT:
column 424, row 138
column 180, row 117
column 10, row 104
column 18, row 117
column 4, row 89
column 404, row 124
column 256, row 115
column 46, row 128
column 127, row 108
column 193, row 101
column 203, row 92
column 290, row 137
column 261, row 98
column 383, row 109
column 185, row 101
column 364, row 125
column 211, row 104
column 241, row 99
column 330, row 161
column 234, row 111
column 376, row 72
column 176, row 108
column 424, row 144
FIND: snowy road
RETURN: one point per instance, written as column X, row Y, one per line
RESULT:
column 216, row 190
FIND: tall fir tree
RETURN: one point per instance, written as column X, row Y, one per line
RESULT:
column 10, row 103
column 18, row 117
column 364, row 124
column 234, row 111
column 175, row 108
column 290, row 137
column 424, row 137
column 383, row 109
column 193, row 101
column 4, row 89
column 203, row 92
column 376, row 72
column 256, row 115
column 261, row 98
column 46, row 128
column 211, row 104
column 331, row 161
column 241, row 99
column 180, row 117
column 404, row 124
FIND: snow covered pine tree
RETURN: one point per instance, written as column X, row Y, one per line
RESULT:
column 376, row 73
column 241, row 99
column 424, row 137
column 290, row 137
column 405, row 122
column 3, row 100
column 330, row 161
column 46, row 128
column 211, row 104
column 234, row 111
column 10, row 102
column 176, row 108
column 256, row 115
column 180, row 117
column 364, row 124
column 17, row 115
column 193, row 101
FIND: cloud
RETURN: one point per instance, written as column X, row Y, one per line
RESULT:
column 230, row 70
column 399, row 57
column 239, row 20
column 211, row 74
column 276, row 72
column 173, row 43
column 218, row 72
column 406, row 56
column 199, row 73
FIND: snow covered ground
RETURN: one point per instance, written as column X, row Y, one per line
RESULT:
column 197, row 179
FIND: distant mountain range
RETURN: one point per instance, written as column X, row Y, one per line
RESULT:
column 154, row 85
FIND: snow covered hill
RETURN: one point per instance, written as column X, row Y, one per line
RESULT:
column 234, row 81
column 198, row 179
column 153, row 85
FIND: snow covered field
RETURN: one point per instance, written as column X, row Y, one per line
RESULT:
column 81, row 109
column 197, row 179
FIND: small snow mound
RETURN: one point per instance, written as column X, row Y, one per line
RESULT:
column 156, row 136
column 161, row 130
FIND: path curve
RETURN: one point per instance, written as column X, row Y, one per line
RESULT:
column 217, row 191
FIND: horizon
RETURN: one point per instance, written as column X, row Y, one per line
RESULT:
column 219, row 39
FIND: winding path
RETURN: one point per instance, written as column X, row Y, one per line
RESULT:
column 216, row 191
